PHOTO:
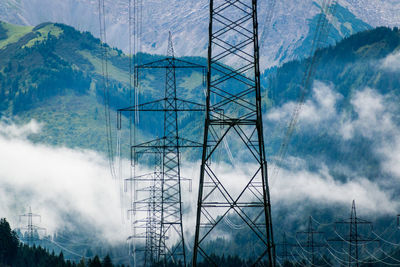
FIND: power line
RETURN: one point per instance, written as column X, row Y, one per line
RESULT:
column 321, row 33
column 267, row 22
column 324, row 259
column 380, row 260
column 321, row 224
column 301, row 254
column 106, row 87
column 311, row 243
column 388, row 256
column 384, row 240
column 64, row 248
column 284, row 244
column 337, row 259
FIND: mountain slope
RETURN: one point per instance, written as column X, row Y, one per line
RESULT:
column 53, row 73
column 363, row 65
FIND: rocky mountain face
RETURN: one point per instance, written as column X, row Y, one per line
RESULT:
column 285, row 38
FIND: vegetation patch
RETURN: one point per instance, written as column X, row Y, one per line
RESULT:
column 14, row 33
column 43, row 34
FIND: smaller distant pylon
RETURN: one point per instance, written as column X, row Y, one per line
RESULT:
column 31, row 231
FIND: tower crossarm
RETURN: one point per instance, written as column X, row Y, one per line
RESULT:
column 167, row 62
column 160, row 105
column 155, row 144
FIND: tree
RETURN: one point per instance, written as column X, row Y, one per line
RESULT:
column 82, row 263
column 107, row 261
column 95, row 262
column 8, row 243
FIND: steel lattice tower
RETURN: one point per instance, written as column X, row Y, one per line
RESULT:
column 155, row 213
column 311, row 243
column 169, row 146
column 147, row 205
column 285, row 253
column 353, row 235
column 233, row 41
column 171, row 186
column 31, row 229
column 354, row 239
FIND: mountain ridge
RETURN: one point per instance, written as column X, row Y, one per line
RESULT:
column 291, row 25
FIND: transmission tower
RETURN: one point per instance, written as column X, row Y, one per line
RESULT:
column 354, row 239
column 284, row 244
column 154, row 213
column 147, row 208
column 234, row 117
column 31, row 229
column 311, row 244
column 171, row 229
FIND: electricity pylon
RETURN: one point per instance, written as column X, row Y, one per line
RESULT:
column 146, row 207
column 234, row 116
column 284, row 251
column 354, row 239
column 31, row 229
column 311, row 244
column 171, row 244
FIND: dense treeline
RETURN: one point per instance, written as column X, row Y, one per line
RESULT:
column 16, row 254
column 221, row 261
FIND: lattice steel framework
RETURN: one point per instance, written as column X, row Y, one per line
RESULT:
column 354, row 238
column 311, row 244
column 233, row 41
column 284, row 249
column 147, row 208
column 171, row 243
column 31, row 229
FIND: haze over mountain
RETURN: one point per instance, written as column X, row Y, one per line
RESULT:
column 292, row 23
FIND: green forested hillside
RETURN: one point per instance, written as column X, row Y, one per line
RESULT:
column 53, row 73
column 365, row 61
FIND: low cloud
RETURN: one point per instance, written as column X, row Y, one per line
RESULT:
column 391, row 62
column 316, row 111
column 11, row 130
column 370, row 116
column 301, row 186
column 374, row 116
column 59, row 182
column 67, row 187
